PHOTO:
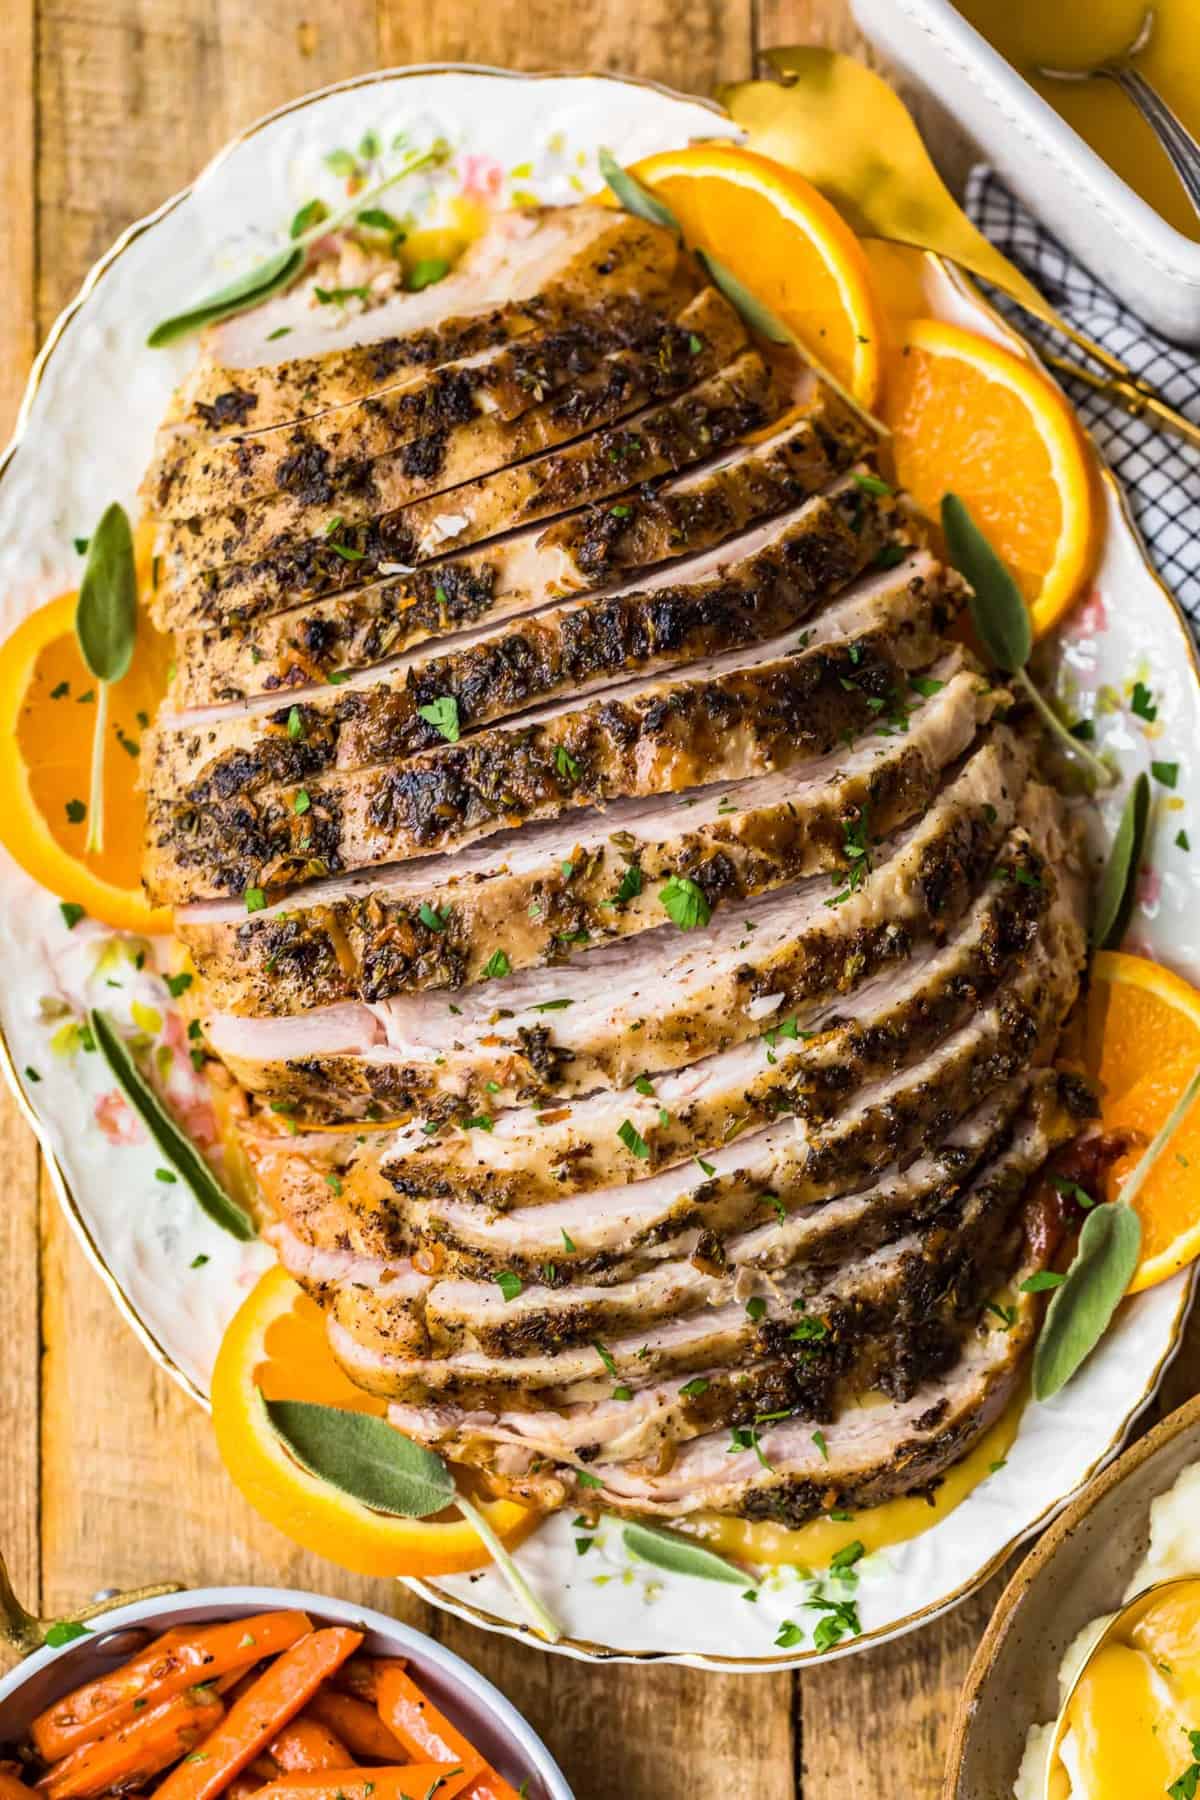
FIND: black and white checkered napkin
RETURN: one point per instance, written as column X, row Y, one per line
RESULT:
column 1161, row 473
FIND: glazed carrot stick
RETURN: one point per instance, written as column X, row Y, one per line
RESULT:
column 307, row 1744
column 128, row 1756
column 361, row 1674
column 424, row 1731
column 281, row 1691
column 490, row 1786
column 12, row 1788
column 358, row 1725
column 244, row 1787
column 177, row 1660
column 413, row 1781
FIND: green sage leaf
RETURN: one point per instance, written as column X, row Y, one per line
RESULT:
column 106, row 612
column 258, row 284
column 364, row 1457
column 634, row 195
column 760, row 318
column 679, row 1555
column 1082, row 1307
column 998, row 610
column 178, row 1149
column 1118, row 883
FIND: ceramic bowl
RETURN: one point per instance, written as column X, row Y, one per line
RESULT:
column 1080, row 1569
column 480, row 1710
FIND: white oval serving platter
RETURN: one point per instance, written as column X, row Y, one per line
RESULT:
column 84, row 438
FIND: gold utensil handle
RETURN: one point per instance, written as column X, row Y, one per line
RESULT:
column 23, row 1632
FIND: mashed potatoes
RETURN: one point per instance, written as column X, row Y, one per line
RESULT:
column 1134, row 1682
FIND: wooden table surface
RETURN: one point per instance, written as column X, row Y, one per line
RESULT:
column 108, row 1474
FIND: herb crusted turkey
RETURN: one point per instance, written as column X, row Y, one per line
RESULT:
column 570, row 787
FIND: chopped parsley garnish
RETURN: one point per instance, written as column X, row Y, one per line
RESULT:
column 295, row 723
column 847, row 1556
column 256, row 899
column 684, row 902
column 1007, row 1315
column 334, row 1182
column 168, row 1177
column 442, row 714
column 789, row 1635
column 544, row 1006
column 179, row 984
column 568, row 1246
column 632, row 1139
column 586, row 1480
column 301, row 800
column 76, row 812
column 841, row 1620
column 691, row 1390
column 871, row 484
column 925, row 685
column 631, row 885
column 605, row 1355
column 1142, row 702
column 1165, row 772
column 71, row 912
column 565, row 764
column 509, row 1284
column 1187, row 1785
column 706, row 1168
column 809, row 1331
column 857, row 851
column 497, row 965
column 1182, row 841
column 1071, row 1190
column 756, row 1309
column 479, row 1122
column 430, row 917
column 1041, row 1282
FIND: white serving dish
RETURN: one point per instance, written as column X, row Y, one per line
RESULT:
column 1111, row 229
column 480, row 1710
column 176, row 1276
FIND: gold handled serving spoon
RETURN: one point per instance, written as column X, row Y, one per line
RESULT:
column 1055, row 1784
column 843, row 128
column 22, row 1632
column 1163, row 120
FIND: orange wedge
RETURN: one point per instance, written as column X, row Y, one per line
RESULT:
column 276, row 1347
column 47, row 715
column 786, row 243
column 970, row 418
column 1143, row 1046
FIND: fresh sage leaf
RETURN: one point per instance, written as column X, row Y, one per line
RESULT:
column 178, row 1149
column 364, row 1457
column 634, row 195
column 679, row 1555
column 998, row 610
column 106, row 612
column 760, row 318
column 258, row 284
column 1080, row 1311
column 1118, row 883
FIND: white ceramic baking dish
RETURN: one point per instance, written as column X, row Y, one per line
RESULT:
column 489, row 1720
column 1153, row 267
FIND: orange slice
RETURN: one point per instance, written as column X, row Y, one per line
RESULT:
column 970, row 418
column 47, row 716
column 789, row 246
column 1143, row 1046
column 276, row 1347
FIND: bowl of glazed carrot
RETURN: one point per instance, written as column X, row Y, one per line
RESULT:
column 260, row 1694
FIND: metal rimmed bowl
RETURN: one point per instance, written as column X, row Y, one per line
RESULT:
column 480, row 1710
column 1079, row 1570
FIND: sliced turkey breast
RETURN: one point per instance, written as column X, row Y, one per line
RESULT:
column 297, row 355
column 869, row 1454
column 329, row 640
column 645, row 1005
column 426, row 434
column 560, row 888
column 662, row 438
column 525, row 1155
column 741, row 715
column 489, row 674
column 690, row 513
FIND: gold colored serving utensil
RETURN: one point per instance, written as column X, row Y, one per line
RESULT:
column 1177, row 141
column 1056, row 1783
column 843, row 128
column 22, row 1632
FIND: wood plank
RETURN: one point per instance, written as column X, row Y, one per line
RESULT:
column 19, row 1353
